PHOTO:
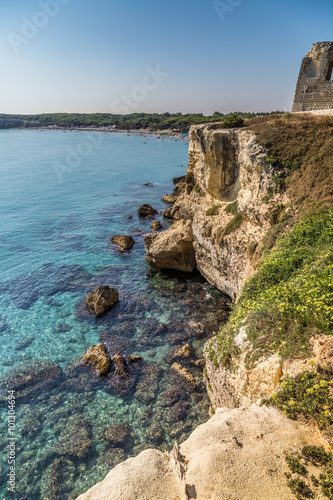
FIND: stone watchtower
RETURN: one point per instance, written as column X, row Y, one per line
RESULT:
column 314, row 88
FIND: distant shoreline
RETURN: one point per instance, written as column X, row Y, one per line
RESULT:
column 179, row 135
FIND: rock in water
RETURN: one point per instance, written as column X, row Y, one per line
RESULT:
column 123, row 241
column 184, row 352
column 74, row 440
column 102, row 300
column 35, row 377
column 185, row 374
column 172, row 249
column 117, row 434
column 156, row 225
column 170, row 198
column 145, row 210
column 177, row 180
column 120, row 367
column 97, row 357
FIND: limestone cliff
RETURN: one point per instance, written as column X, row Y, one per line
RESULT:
column 227, row 179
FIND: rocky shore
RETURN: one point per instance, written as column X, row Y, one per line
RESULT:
column 220, row 218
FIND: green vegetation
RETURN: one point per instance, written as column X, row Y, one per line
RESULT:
column 213, row 210
column 295, row 465
column 232, row 208
column 233, row 121
column 309, row 395
column 322, row 460
column 234, row 224
column 298, row 487
column 290, row 298
column 155, row 122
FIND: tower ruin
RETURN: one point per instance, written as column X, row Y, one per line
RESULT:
column 314, row 88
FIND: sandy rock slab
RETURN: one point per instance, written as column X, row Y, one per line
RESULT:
column 237, row 455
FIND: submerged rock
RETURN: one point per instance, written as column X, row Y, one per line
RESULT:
column 146, row 209
column 74, row 440
column 171, row 249
column 154, row 434
column 120, row 367
column 116, row 435
column 123, row 241
column 156, row 225
column 133, row 358
column 184, row 374
column 97, row 357
column 148, row 385
column 58, row 479
column 114, row 456
column 34, row 377
column 102, row 300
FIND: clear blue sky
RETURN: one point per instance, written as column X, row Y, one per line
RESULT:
column 90, row 55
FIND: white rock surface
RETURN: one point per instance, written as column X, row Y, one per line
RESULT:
column 236, row 455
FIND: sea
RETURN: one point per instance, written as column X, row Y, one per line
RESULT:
column 63, row 195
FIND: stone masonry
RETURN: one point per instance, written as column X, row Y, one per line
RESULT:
column 314, row 90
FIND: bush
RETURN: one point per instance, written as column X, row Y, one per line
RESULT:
column 307, row 394
column 233, row 121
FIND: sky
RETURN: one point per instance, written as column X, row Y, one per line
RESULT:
column 126, row 56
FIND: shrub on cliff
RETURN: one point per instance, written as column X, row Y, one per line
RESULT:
column 290, row 298
column 233, row 121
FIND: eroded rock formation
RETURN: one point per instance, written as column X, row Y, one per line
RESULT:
column 227, row 168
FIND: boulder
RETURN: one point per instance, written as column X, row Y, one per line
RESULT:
column 102, row 300
column 172, row 249
column 123, row 241
column 156, row 225
column 97, row 357
column 184, row 352
column 145, row 210
column 170, row 198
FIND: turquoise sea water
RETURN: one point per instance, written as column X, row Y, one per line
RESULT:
column 62, row 196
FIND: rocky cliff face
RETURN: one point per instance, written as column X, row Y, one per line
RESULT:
column 227, row 179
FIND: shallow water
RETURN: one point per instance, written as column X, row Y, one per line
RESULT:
column 63, row 195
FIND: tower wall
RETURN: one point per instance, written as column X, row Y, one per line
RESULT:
column 314, row 88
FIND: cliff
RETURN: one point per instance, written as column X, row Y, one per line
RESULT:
column 226, row 181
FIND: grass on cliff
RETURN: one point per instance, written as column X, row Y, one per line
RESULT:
column 300, row 148
column 289, row 299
